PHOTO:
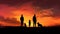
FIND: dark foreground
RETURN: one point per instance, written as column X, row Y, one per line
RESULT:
column 30, row 29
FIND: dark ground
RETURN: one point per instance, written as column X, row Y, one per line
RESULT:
column 31, row 29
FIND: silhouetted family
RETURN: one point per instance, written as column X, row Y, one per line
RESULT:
column 34, row 21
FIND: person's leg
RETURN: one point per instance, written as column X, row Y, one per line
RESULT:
column 33, row 24
column 21, row 23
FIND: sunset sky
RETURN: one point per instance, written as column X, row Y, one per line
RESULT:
column 47, row 12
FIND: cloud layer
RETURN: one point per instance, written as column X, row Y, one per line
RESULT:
column 47, row 11
column 48, row 4
column 9, row 21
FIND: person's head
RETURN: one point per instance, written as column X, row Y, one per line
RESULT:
column 21, row 15
column 34, row 15
column 38, row 23
column 29, row 20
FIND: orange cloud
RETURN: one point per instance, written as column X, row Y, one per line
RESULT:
column 9, row 21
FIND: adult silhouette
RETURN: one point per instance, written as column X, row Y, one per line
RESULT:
column 34, row 20
column 22, row 20
column 29, row 23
